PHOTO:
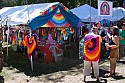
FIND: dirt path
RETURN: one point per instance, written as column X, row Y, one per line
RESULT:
column 69, row 71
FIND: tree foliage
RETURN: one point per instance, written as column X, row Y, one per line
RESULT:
column 68, row 3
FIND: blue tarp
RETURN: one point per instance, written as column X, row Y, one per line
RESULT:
column 39, row 21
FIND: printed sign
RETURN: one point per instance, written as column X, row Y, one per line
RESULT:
column 104, row 8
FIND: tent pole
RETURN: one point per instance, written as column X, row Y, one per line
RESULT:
column 2, row 36
column 7, row 47
column 81, row 31
column 31, row 60
column 27, row 10
column 7, row 38
column 90, row 14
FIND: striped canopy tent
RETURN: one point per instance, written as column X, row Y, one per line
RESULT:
column 56, row 16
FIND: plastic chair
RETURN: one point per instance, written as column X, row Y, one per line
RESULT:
column 56, row 52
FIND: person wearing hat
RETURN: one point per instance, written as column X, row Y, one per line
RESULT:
column 92, row 42
column 122, row 40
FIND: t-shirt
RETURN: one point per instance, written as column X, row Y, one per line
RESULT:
column 122, row 34
column 101, row 32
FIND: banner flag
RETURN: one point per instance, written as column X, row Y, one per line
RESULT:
column 105, row 8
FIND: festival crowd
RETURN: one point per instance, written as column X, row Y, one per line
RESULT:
column 103, row 43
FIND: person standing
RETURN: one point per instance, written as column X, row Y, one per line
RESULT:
column 92, row 53
column 113, row 46
column 100, row 29
column 121, row 41
column 102, row 33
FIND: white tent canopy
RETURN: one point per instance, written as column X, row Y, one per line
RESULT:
column 84, row 12
column 87, row 13
column 21, row 14
column 117, row 14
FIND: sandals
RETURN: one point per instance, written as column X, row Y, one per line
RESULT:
column 111, row 75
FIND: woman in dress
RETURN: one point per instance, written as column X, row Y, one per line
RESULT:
column 114, row 50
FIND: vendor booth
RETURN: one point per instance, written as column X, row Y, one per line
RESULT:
column 45, row 19
column 54, row 21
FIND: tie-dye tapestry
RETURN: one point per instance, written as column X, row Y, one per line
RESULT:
column 92, row 47
column 56, row 16
column 13, row 39
column 31, row 45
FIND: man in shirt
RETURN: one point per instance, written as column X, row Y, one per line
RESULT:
column 102, row 33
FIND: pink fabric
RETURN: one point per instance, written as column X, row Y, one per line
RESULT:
column 50, row 39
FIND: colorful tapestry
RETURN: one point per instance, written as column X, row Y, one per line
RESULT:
column 20, row 42
column 31, row 45
column 57, row 20
column 23, row 38
column 92, row 47
column 56, row 16
column 13, row 39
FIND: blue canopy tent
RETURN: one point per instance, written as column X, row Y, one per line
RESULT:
column 56, row 16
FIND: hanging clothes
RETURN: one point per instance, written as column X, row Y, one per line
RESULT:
column 13, row 39
column 23, row 38
column 31, row 45
column 20, row 39
column 71, row 30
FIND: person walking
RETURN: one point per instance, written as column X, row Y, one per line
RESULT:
column 92, row 42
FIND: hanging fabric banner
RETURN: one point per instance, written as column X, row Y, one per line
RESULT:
column 31, row 44
column 92, row 47
column 104, row 8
